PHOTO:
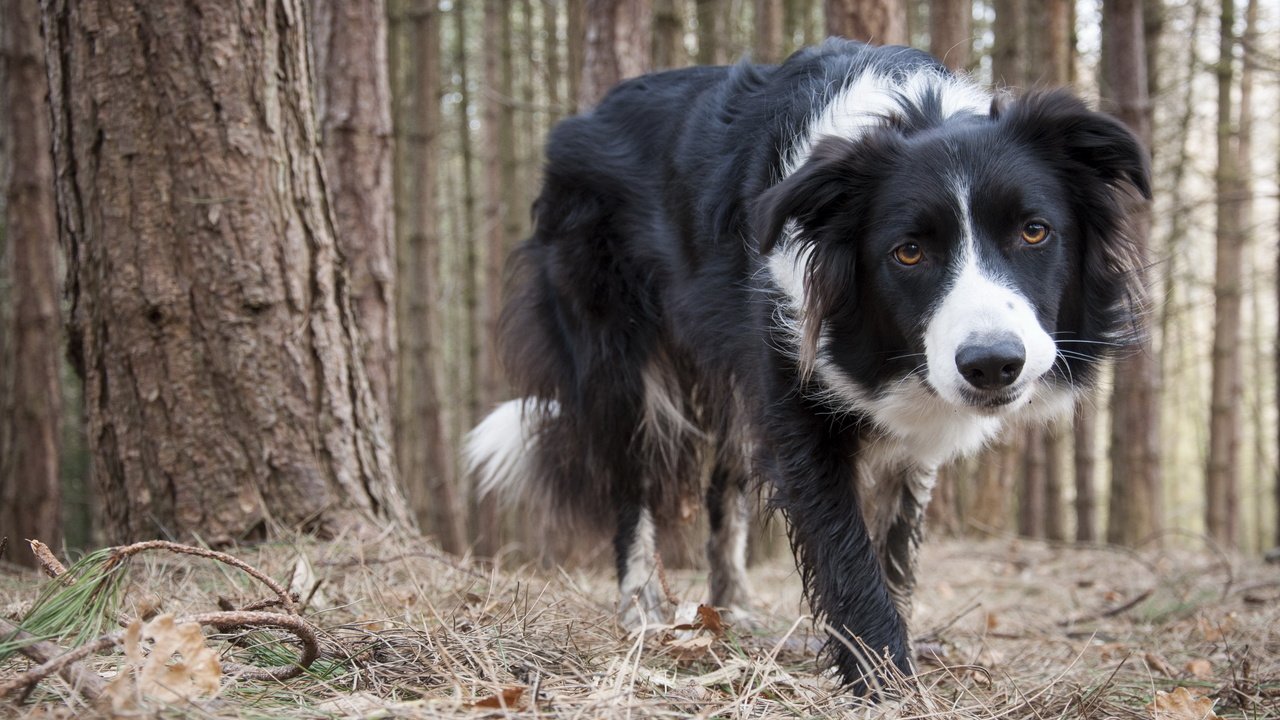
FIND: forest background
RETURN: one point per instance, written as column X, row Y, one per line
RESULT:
column 135, row 328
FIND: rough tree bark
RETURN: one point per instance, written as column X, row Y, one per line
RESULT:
column 471, row 284
column 353, row 102
column 575, row 50
column 1222, row 476
column 1136, row 502
column 212, row 316
column 950, row 37
column 31, row 355
column 880, row 22
column 618, row 38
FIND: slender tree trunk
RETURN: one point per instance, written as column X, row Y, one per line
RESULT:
column 1244, row 162
column 1009, row 54
column 1136, row 503
column 768, row 40
column 1222, row 478
column 471, row 286
column 551, row 52
column 668, row 35
column 353, row 102
column 30, row 356
column 1051, row 54
column 575, row 48
column 212, row 315
column 1086, row 503
column 425, row 461
column 619, row 38
column 881, row 22
column 711, row 32
column 950, row 36
column 1031, row 488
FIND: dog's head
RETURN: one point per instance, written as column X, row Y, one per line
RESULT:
column 980, row 260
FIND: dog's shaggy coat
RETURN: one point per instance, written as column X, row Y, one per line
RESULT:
column 833, row 275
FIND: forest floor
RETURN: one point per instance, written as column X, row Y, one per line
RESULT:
column 1012, row 629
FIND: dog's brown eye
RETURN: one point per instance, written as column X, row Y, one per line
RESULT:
column 908, row 254
column 1034, row 233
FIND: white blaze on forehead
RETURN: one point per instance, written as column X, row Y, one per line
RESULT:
column 862, row 104
column 980, row 306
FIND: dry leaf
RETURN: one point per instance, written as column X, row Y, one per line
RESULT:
column 157, row 673
column 993, row 621
column 695, row 646
column 709, row 619
column 507, row 699
column 1158, row 664
column 1199, row 668
column 1181, row 704
column 1215, row 630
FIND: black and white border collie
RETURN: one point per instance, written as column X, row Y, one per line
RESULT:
column 832, row 275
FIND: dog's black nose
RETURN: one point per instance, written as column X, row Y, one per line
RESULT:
column 991, row 364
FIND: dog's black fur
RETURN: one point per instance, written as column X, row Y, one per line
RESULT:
column 652, row 338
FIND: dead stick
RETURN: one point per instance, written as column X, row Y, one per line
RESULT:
column 1110, row 612
column 52, row 659
column 286, row 600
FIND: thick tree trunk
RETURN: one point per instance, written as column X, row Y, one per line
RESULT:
column 880, row 22
column 1136, row 500
column 31, row 354
column 211, row 313
column 950, row 36
column 618, row 40
column 768, row 31
column 353, row 97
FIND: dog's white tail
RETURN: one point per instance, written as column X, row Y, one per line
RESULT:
column 498, row 452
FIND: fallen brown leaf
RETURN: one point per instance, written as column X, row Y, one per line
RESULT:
column 1199, row 668
column 509, row 698
column 1158, row 664
column 1181, row 704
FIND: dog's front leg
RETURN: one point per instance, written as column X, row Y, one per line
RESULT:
column 810, row 460
column 899, row 549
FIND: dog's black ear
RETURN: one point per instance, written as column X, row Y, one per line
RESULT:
column 1093, row 142
column 809, row 194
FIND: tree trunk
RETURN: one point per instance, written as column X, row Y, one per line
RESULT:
column 1244, row 165
column 1031, row 494
column 1086, row 504
column 30, row 356
column 551, row 53
column 1009, row 54
column 1136, row 503
column 1051, row 55
column 471, row 284
column 950, row 36
column 575, row 52
column 668, row 35
column 353, row 102
column 768, row 27
column 618, row 41
column 212, row 315
column 424, row 459
column 881, row 22
column 1222, row 477
column 711, row 32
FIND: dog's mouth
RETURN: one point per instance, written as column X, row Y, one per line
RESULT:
column 992, row 401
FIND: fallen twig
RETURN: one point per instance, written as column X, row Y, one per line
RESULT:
column 1109, row 612
column 49, row 563
column 52, row 659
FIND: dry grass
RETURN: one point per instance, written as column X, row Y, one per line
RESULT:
column 1019, row 630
